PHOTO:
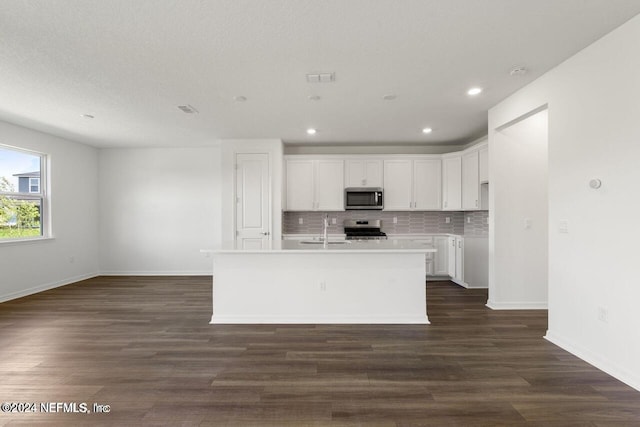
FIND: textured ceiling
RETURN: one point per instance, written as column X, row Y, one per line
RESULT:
column 130, row 63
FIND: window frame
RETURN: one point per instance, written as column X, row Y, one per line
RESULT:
column 42, row 196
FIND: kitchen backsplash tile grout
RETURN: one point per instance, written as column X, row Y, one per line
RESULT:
column 430, row 222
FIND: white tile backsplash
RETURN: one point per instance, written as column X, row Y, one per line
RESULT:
column 407, row 222
column 476, row 224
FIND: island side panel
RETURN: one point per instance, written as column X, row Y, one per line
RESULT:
column 319, row 287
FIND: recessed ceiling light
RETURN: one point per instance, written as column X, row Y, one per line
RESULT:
column 427, row 130
column 311, row 131
column 474, row 91
column 389, row 97
column 88, row 116
column 239, row 98
column 314, row 98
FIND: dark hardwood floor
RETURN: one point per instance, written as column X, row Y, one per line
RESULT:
column 143, row 345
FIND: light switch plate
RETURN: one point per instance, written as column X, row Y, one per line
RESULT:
column 563, row 226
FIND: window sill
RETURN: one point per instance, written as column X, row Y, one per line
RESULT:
column 26, row 241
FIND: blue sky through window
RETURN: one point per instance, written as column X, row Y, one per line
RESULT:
column 12, row 162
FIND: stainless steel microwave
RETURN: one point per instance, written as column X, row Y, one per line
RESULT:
column 356, row 198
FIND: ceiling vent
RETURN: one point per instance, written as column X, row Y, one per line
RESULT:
column 518, row 71
column 321, row 78
column 188, row 109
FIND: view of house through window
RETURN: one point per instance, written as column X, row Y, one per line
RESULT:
column 22, row 197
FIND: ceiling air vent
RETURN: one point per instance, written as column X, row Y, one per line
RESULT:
column 188, row 109
column 321, row 78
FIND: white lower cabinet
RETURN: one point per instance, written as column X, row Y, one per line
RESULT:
column 441, row 257
column 429, row 258
column 449, row 258
column 455, row 263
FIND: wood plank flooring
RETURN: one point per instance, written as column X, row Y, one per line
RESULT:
column 143, row 345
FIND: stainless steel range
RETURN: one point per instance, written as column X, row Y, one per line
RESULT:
column 363, row 229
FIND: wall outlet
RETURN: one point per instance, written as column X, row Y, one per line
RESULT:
column 300, row 221
column 468, row 220
column 603, row 314
column 334, row 221
column 395, row 219
column 447, row 220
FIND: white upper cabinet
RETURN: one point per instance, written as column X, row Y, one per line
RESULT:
column 363, row 173
column 330, row 185
column 300, row 185
column 470, row 181
column 483, row 159
column 313, row 185
column 398, row 185
column 412, row 184
column 452, row 183
column 427, row 184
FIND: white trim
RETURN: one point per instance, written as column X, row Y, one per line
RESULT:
column 25, row 240
column 604, row 365
column 46, row 287
column 391, row 320
column 516, row 305
column 157, row 273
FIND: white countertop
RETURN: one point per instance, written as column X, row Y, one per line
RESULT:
column 334, row 246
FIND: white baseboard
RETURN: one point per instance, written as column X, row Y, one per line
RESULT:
column 604, row 365
column 269, row 319
column 46, row 287
column 156, row 273
column 517, row 305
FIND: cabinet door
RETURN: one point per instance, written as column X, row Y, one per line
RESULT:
column 441, row 257
column 373, row 173
column 427, row 184
column 398, row 189
column 329, row 184
column 363, row 173
column 459, row 272
column 483, row 165
column 300, row 185
column 355, row 174
column 452, row 184
column 470, row 182
column 451, row 254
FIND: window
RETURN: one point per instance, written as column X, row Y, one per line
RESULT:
column 34, row 185
column 23, row 201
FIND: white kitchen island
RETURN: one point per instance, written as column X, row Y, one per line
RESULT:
column 295, row 282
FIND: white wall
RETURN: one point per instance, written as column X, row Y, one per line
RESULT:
column 35, row 266
column 518, row 206
column 594, row 108
column 158, row 208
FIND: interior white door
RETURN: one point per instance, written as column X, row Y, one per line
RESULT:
column 253, row 193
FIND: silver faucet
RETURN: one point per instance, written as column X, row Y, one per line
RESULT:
column 325, row 231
